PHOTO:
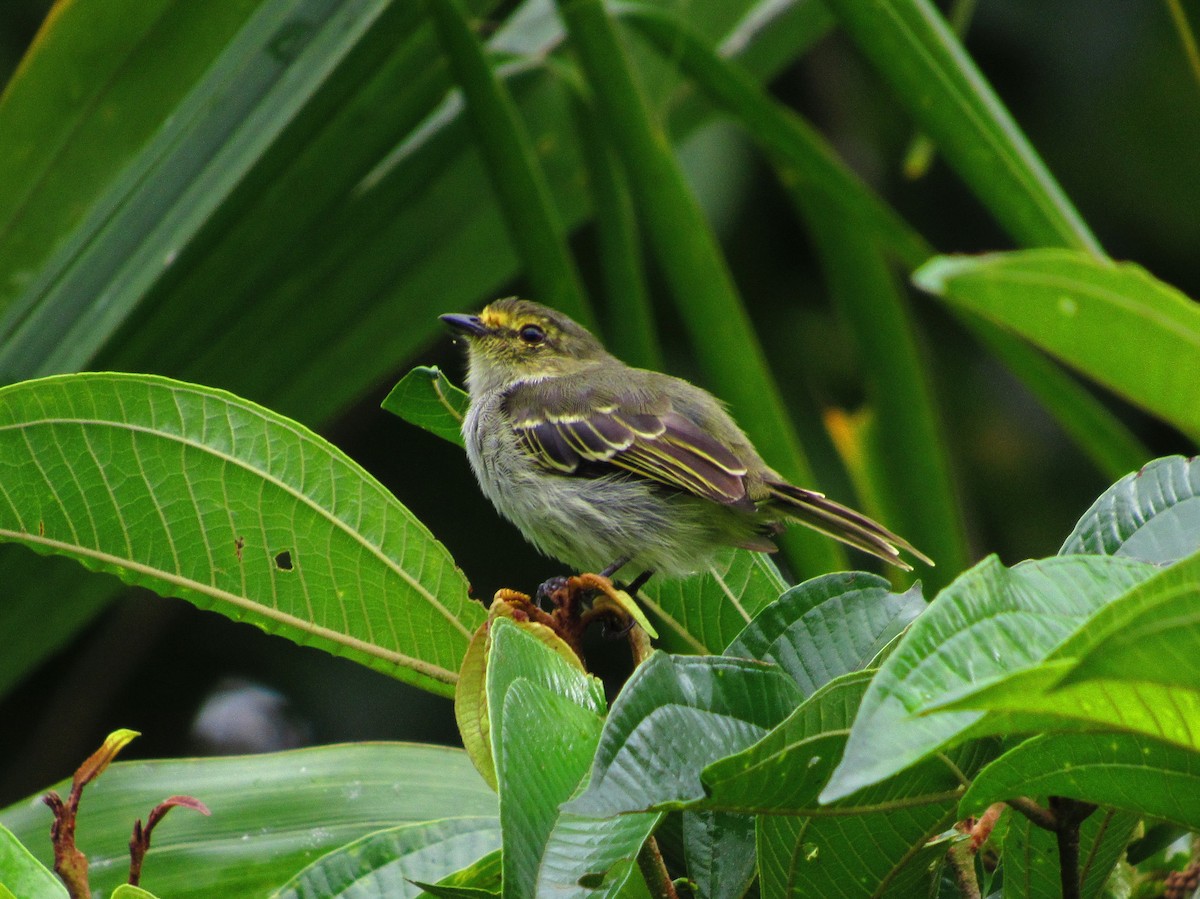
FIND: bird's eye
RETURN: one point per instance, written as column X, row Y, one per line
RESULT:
column 532, row 335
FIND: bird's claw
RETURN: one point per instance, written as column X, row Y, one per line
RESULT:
column 547, row 590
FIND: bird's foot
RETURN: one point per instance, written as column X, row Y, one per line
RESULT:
column 550, row 591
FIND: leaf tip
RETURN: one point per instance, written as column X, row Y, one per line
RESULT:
column 934, row 276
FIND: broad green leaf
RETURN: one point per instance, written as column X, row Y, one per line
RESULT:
column 518, row 654
column 828, row 626
column 1131, row 666
column 989, row 622
column 685, row 248
column 785, row 771
column 1030, row 855
column 196, row 493
column 722, row 704
column 1152, row 514
column 596, row 858
column 271, row 814
column 386, row 862
column 22, row 874
column 1124, row 771
column 425, row 398
column 720, row 852
column 1114, row 322
column 478, row 880
column 1151, row 634
column 527, row 650
column 702, row 613
column 915, row 52
column 125, row 891
column 502, row 653
column 544, row 749
column 892, row 854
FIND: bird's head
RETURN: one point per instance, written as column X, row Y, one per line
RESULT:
column 514, row 339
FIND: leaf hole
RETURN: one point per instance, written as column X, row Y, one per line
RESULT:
column 283, row 561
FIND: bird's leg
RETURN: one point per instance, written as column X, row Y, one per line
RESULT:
column 607, row 630
column 545, row 593
column 639, row 582
column 616, row 566
column 636, row 584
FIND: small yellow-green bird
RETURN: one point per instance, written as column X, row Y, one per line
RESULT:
column 604, row 466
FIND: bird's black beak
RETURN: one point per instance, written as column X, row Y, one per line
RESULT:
column 470, row 325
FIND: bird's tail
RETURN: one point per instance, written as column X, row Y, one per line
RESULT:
column 843, row 523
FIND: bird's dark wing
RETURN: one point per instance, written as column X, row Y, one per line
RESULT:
column 575, row 430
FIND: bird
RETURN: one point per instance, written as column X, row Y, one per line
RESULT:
column 606, row 467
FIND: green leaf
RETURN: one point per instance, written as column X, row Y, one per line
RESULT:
column 271, row 814
column 591, row 858
column 21, row 874
column 451, row 892
column 424, row 397
column 1030, row 855
column 501, row 654
column 1099, row 317
column 550, row 699
column 516, row 654
column 1130, row 666
column 828, row 626
column 702, row 613
column 785, row 771
column 989, row 622
column 892, row 854
column 720, row 853
column 722, row 704
column 543, row 752
column 916, row 53
column 1123, row 771
column 1152, row 514
column 479, row 880
column 125, row 891
column 1151, row 634
column 195, row 493
column 386, row 862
